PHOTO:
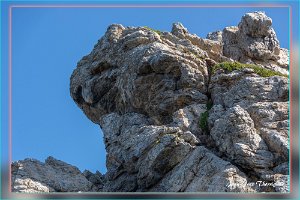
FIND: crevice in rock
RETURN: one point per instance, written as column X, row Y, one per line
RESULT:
column 205, row 138
column 78, row 95
column 195, row 174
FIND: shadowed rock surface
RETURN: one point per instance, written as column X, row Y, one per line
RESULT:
column 174, row 123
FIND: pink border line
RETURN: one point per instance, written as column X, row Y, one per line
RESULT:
column 136, row 6
column 291, row 99
column 9, row 96
column 150, row 6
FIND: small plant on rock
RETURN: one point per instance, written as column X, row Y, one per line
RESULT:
column 231, row 66
column 203, row 122
column 154, row 30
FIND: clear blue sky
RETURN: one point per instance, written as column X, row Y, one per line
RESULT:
column 47, row 44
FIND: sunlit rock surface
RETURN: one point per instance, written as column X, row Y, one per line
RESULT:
column 171, row 122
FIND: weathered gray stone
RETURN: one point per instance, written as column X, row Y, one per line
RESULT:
column 255, row 24
column 254, row 41
column 249, row 119
column 202, row 171
column 138, row 75
column 187, row 118
column 235, row 135
column 151, row 91
column 33, row 176
column 138, row 154
column 216, row 36
column 283, row 58
column 96, row 179
column 245, row 87
column 271, row 121
column 282, row 169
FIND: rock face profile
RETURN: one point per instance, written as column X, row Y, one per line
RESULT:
column 180, row 113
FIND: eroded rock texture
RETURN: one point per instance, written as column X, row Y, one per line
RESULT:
column 253, row 41
column 150, row 92
column 33, row 176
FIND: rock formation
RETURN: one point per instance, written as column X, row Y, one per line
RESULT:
column 33, row 176
column 180, row 113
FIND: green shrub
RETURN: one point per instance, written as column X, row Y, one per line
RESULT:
column 231, row 66
column 203, row 121
column 154, row 30
column 209, row 105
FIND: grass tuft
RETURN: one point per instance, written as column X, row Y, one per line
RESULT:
column 209, row 105
column 203, row 122
column 154, row 30
column 231, row 66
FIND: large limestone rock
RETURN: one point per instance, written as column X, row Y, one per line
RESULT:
column 33, row 176
column 140, row 157
column 151, row 92
column 249, row 120
column 202, row 171
column 137, row 70
column 253, row 41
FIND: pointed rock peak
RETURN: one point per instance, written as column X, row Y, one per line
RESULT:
column 55, row 162
column 114, row 32
column 58, row 164
column 178, row 29
column 114, row 27
column 255, row 24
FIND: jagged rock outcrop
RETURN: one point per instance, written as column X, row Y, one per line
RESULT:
column 253, row 41
column 174, row 122
column 33, row 176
